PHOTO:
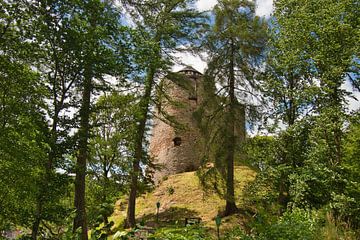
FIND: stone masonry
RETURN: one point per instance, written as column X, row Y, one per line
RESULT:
column 174, row 144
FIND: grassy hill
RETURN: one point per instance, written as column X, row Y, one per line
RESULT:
column 181, row 196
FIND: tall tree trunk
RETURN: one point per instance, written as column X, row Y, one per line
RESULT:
column 35, row 228
column 230, row 207
column 144, row 108
column 104, row 190
column 337, row 123
column 47, row 178
column 283, row 189
column 80, row 218
column 37, row 221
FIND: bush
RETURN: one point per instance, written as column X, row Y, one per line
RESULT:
column 170, row 233
column 183, row 233
column 237, row 233
column 170, row 190
column 296, row 224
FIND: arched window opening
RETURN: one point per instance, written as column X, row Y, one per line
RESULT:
column 177, row 141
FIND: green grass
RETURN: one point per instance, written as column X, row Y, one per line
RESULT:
column 181, row 196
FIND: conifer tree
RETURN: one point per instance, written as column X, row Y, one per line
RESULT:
column 235, row 45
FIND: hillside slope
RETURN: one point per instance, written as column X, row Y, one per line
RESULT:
column 181, row 196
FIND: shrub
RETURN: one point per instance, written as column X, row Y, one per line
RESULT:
column 295, row 224
column 183, row 233
column 170, row 190
column 237, row 233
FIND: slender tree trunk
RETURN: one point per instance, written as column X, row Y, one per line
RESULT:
column 46, row 179
column 292, row 108
column 130, row 217
column 80, row 218
column 104, row 192
column 35, row 229
column 230, row 207
column 283, row 189
column 337, row 132
column 144, row 108
column 36, row 223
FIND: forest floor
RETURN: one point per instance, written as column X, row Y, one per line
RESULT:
column 181, row 196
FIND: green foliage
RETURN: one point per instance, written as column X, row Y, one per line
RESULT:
column 237, row 233
column 102, row 232
column 298, row 171
column 316, row 44
column 170, row 190
column 50, row 51
column 336, row 229
column 345, row 203
column 260, row 151
column 187, row 233
column 295, row 224
column 163, row 26
column 308, row 62
column 276, row 158
column 111, row 146
column 94, row 27
column 23, row 140
column 40, row 83
column 235, row 44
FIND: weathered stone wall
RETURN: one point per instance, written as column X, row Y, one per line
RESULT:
column 165, row 147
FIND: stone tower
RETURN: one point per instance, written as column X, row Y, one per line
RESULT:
column 175, row 140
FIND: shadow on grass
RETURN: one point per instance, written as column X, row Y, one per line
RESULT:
column 171, row 216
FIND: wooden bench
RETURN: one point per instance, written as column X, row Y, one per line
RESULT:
column 192, row 221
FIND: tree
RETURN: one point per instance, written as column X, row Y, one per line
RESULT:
column 235, row 45
column 328, row 58
column 313, row 52
column 110, row 152
column 309, row 61
column 59, row 68
column 163, row 25
column 23, row 126
column 22, row 140
column 287, row 84
column 94, row 34
column 351, row 144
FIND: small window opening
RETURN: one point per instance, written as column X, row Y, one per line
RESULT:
column 177, row 141
column 193, row 93
column 193, row 98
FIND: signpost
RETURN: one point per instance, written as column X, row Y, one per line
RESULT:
column 218, row 222
column 157, row 211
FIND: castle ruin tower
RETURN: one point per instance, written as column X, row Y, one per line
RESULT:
column 175, row 141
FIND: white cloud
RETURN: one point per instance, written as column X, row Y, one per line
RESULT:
column 353, row 104
column 205, row 5
column 264, row 7
column 190, row 60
